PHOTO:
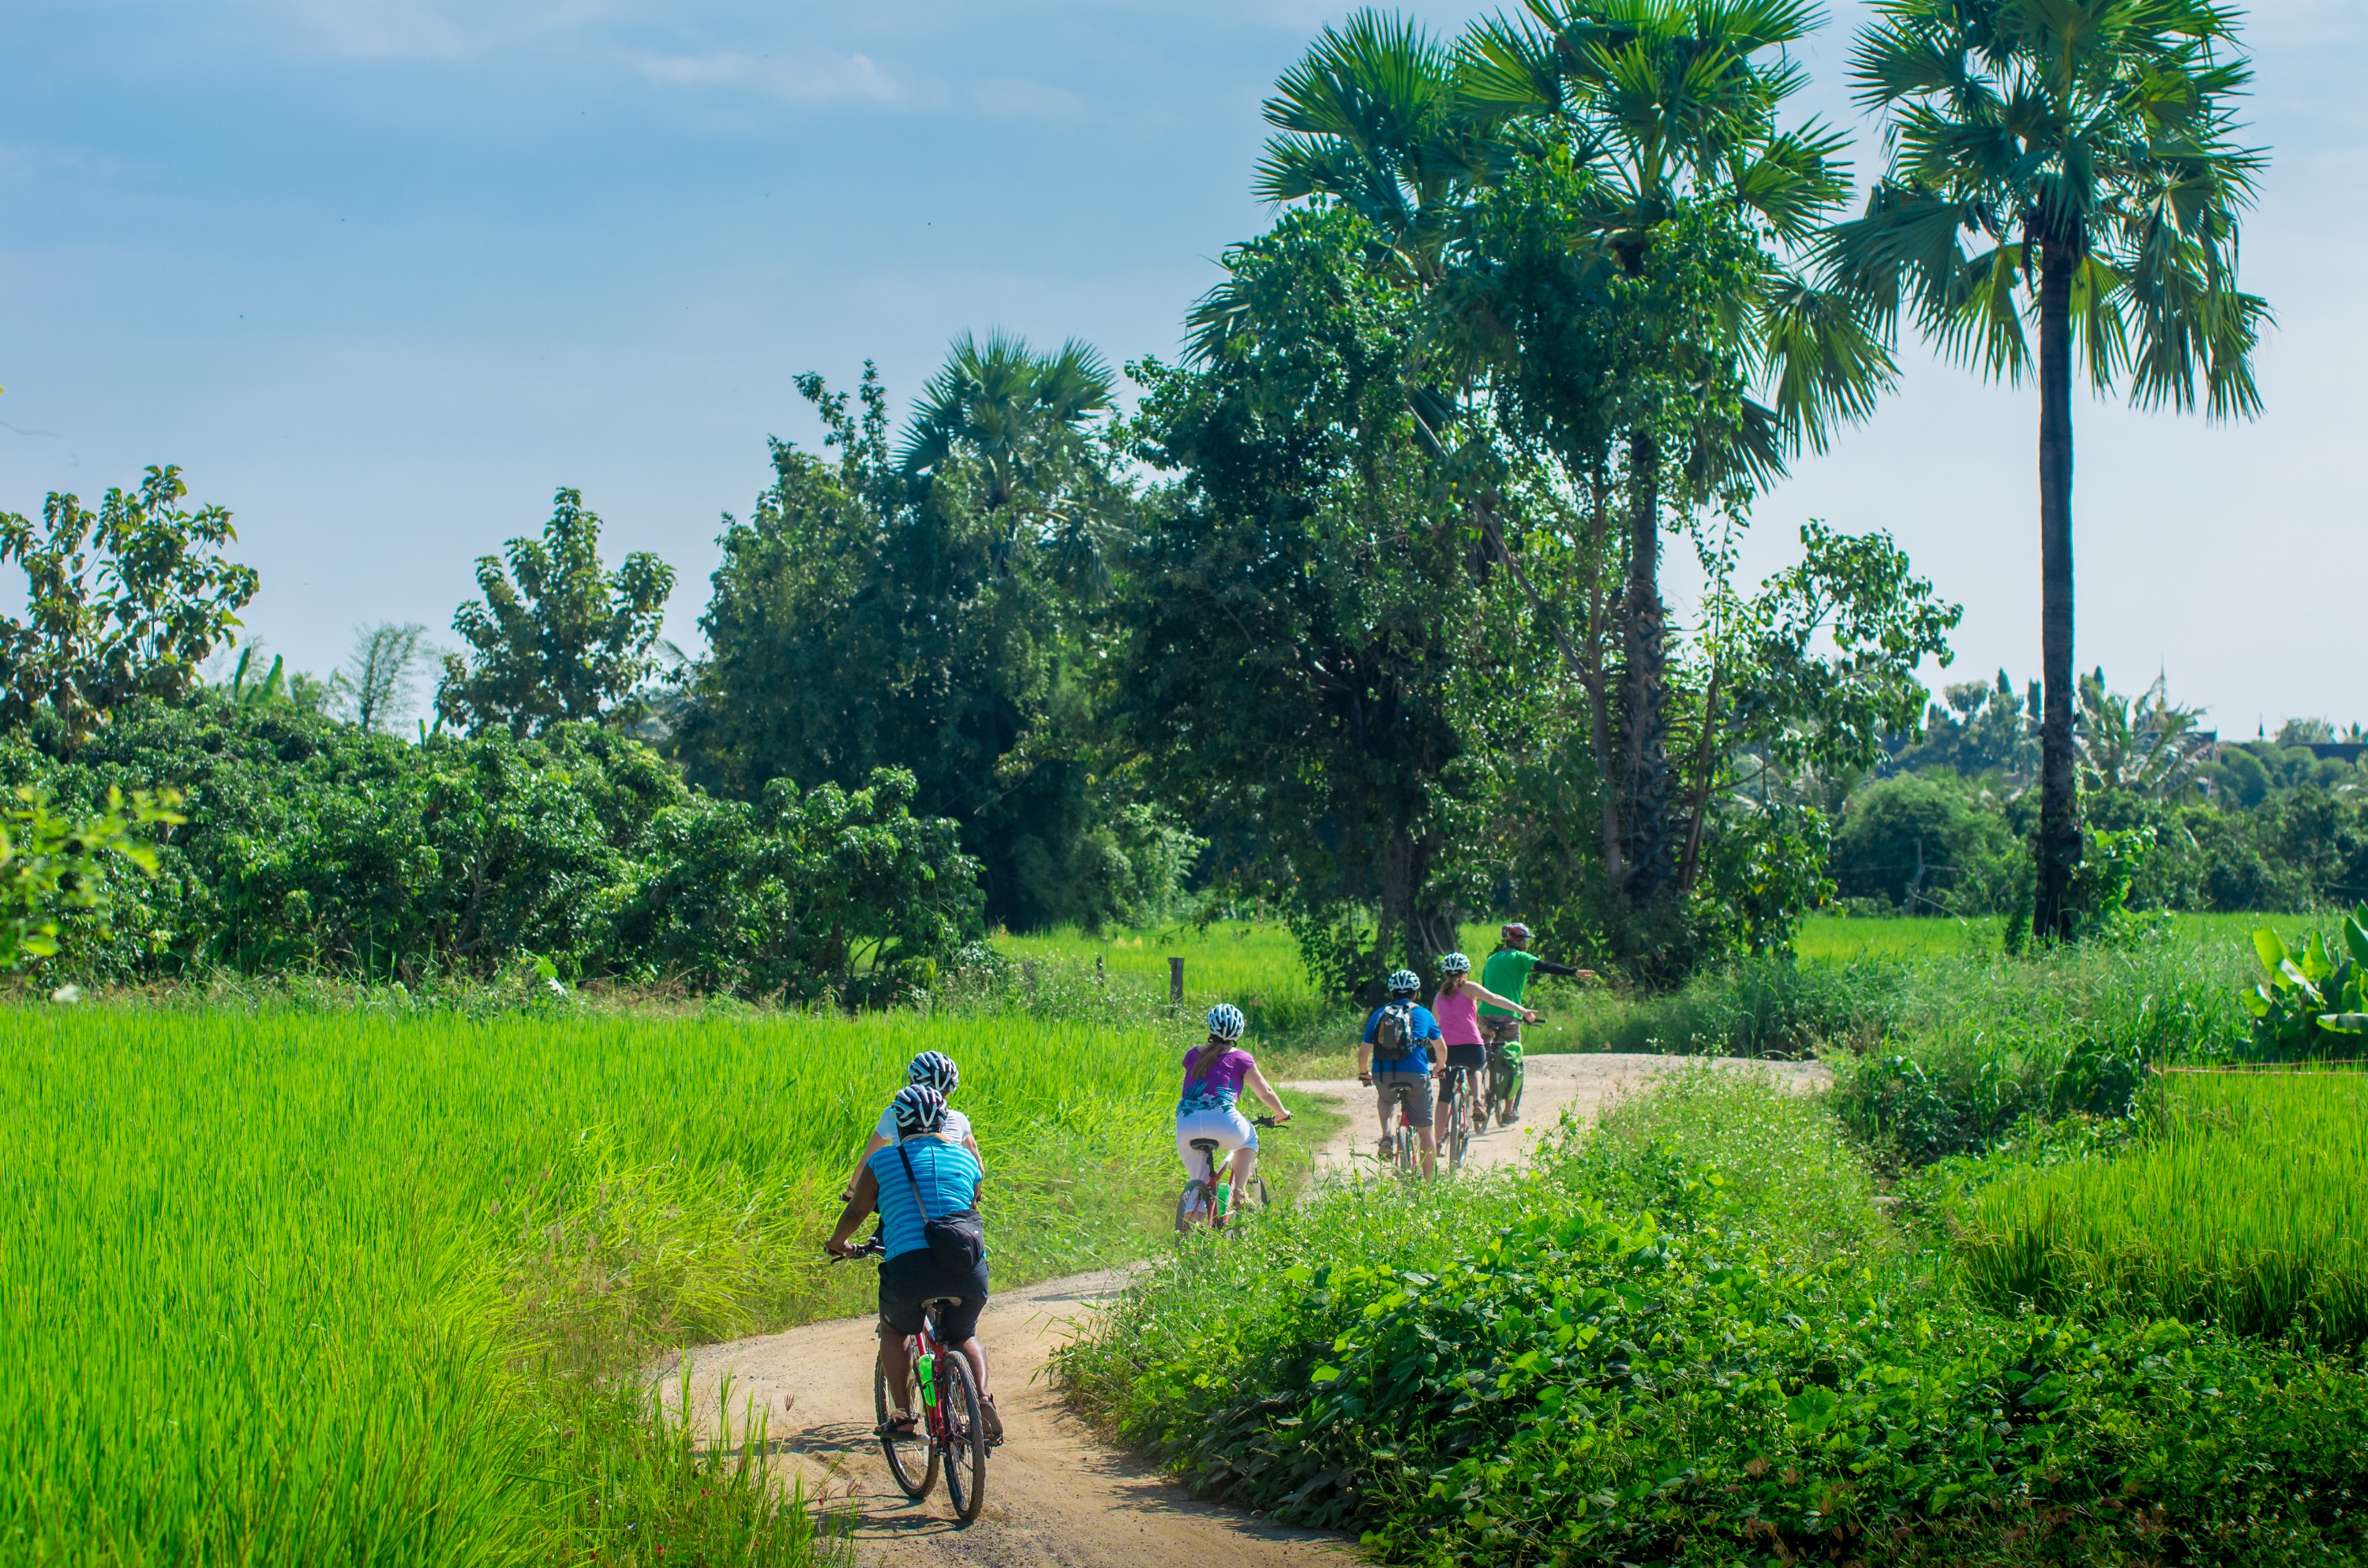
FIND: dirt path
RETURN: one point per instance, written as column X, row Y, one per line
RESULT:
column 1585, row 1083
column 1056, row 1495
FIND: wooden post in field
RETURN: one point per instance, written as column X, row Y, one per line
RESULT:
column 1176, row 980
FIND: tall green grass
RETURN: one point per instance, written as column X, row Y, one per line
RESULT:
column 2247, row 1206
column 316, row 1288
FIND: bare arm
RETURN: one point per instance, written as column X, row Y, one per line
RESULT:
column 860, row 1206
column 1258, row 1085
column 1489, row 996
column 872, row 1146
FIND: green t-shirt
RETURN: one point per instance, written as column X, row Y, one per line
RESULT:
column 1507, row 973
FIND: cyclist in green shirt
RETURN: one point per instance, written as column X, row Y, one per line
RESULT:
column 1507, row 973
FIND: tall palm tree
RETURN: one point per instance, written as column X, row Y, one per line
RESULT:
column 1007, row 406
column 1368, row 119
column 1659, row 105
column 2071, row 164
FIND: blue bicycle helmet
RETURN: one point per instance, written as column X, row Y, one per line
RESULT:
column 1454, row 964
column 936, row 1069
column 1404, row 982
column 920, row 1108
column 1225, row 1022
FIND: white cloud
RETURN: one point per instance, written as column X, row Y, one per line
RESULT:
column 816, row 77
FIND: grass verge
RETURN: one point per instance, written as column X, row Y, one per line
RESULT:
column 1690, row 1336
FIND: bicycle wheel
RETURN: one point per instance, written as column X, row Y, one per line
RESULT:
column 1194, row 1206
column 1458, row 1117
column 963, row 1435
column 1508, row 1106
column 911, row 1460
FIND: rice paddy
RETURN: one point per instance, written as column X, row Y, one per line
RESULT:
column 2247, row 1206
column 294, row 1287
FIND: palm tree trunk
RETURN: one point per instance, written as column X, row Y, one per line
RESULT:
column 1645, row 760
column 2059, row 801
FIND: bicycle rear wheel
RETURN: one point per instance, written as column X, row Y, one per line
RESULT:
column 962, row 1437
column 1459, row 1115
column 1195, row 1206
column 911, row 1460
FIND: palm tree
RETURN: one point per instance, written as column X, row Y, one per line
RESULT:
column 2071, row 162
column 1659, row 106
column 1012, row 409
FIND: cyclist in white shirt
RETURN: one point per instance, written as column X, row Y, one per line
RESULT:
column 936, row 1069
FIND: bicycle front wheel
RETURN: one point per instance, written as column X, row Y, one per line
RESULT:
column 962, row 1437
column 913, row 1461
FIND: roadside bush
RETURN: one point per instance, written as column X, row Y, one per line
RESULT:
column 316, row 846
column 1929, row 842
column 1688, row 1336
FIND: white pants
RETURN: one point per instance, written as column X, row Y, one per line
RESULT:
column 1231, row 1129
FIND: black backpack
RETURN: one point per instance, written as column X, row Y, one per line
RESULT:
column 1394, row 1031
column 958, row 1241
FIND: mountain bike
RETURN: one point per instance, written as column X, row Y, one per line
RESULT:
column 1455, row 1117
column 950, row 1433
column 1209, row 1200
column 1501, row 1093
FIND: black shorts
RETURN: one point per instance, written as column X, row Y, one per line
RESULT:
column 912, row 1277
column 1472, row 1056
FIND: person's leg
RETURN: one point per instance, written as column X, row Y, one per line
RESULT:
column 896, row 1359
column 1244, row 1167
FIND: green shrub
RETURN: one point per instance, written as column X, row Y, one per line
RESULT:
column 1687, row 1337
column 316, row 846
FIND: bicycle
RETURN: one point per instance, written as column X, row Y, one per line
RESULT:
column 1505, row 1079
column 1205, row 1200
column 949, row 1432
column 1456, row 1117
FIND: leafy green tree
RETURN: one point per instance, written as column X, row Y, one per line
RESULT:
column 2086, row 150
column 931, row 608
column 1652, row 117
column 557, row 638
column 53, row 864
column 121, row 603
column 1302, row 600
column 376, row 686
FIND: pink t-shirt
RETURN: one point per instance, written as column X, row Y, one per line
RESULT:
column 1214, row 1083
column 1458, row 1012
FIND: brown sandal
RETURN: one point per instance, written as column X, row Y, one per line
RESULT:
column 899, row 1429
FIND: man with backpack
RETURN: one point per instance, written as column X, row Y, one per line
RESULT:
column 1394, row 1058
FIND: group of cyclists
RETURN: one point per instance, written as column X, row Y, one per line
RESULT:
column 921, row 1168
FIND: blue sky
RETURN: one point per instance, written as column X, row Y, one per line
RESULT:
column 382, row 276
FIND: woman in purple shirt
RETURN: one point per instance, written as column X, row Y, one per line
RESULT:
column 1213, row 1076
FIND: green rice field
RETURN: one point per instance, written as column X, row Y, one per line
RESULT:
column 315, row 1288
column 2246, row 1206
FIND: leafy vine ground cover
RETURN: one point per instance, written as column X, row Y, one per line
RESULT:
column 1692, row 1336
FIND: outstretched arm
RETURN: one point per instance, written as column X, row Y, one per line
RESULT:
column 1489, row 996
column 1265, row 1091
column 1547, row 966
column 859, row 1208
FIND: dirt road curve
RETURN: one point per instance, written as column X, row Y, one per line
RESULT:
column 1586, row 1083
column 1056, row 1496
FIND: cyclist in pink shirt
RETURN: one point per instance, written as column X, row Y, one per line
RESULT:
column 1457, row 1008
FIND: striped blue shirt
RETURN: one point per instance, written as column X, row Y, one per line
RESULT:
column 949, row 1177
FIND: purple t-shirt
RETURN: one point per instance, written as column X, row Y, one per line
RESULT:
column 1215, row 1084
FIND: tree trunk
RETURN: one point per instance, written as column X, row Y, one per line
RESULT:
column 2059, row 800
column 1645, row 757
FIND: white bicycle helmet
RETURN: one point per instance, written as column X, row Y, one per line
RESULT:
column 936, row 1069
column 920, row 1108
column 1225, row 1022
column 1404, row 982
column 1454, row 964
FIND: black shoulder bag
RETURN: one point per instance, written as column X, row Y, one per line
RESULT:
column 958, row 1241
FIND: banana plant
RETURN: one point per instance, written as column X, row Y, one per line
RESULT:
column 2315, row 1000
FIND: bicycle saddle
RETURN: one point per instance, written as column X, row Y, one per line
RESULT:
column 1206, row 1145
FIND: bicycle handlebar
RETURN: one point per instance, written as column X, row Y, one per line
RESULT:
column 876, row 1247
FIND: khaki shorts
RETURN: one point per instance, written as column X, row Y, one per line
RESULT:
column 1498, row 1030
column 1414, row 1088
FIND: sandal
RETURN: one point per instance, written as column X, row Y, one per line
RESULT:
column 899, row 1428
column 994, row 1421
